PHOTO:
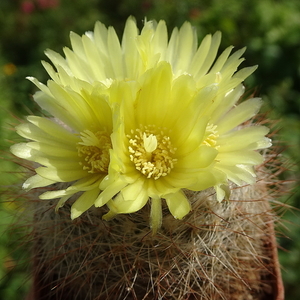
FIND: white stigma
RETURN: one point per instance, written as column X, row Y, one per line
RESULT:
column 151, row 151
column 150, row 142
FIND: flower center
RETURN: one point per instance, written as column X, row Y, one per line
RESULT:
column 211, row 136
column 94, row 150
column 151, row 151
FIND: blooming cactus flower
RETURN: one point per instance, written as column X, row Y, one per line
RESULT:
column 142, row 120
column 167, row 137
column 73, row 148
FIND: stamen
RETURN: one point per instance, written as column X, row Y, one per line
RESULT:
column 94, row 149
column 211, row 136
column 151, row 151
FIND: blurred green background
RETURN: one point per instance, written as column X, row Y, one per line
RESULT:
column 269, row 29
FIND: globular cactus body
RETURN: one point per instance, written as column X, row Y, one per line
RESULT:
column 221, row 250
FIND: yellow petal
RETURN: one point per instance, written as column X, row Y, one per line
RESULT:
column 59, row 163
column 22, row 150
column 57, row 59
column 186, row 47
column 50, row 70
column 54, row 194
column 51, row 150
column 74, row 105
column 78, row 66
column 62, row 201
column 178, row 204
column 115, row 51
column 247, row 157
column 237, row 174
column 222, row 59
column 222, row 191
column 83, row 203
column 250, row 138
column 207, row 179
column 181, row 179
column 61, row 175
column 160, row 39
column 87, row 183
column 239, row 114
column 132, row 191
column 222, row 105
column 132, row 60
column 111, row 214
column 121, row 206
column 160, row 187
column 36, row 181
column 152, row 101
column 205, row 56
column 77, row 45
column 111, row 190
column 199, row 158
column 51, row 105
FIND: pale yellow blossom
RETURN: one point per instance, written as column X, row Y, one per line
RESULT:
column 170, row 136
column 142, row 120
column 71, row 148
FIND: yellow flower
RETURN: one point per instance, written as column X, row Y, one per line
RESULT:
column 100, row 57
column 142, row 119
column 71, row 148
column 169, row 135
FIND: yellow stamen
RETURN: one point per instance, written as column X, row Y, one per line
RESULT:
column 94, row 149
column 151, row 151
column 211, row 136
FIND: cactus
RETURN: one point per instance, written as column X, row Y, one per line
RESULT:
column 221, row 250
